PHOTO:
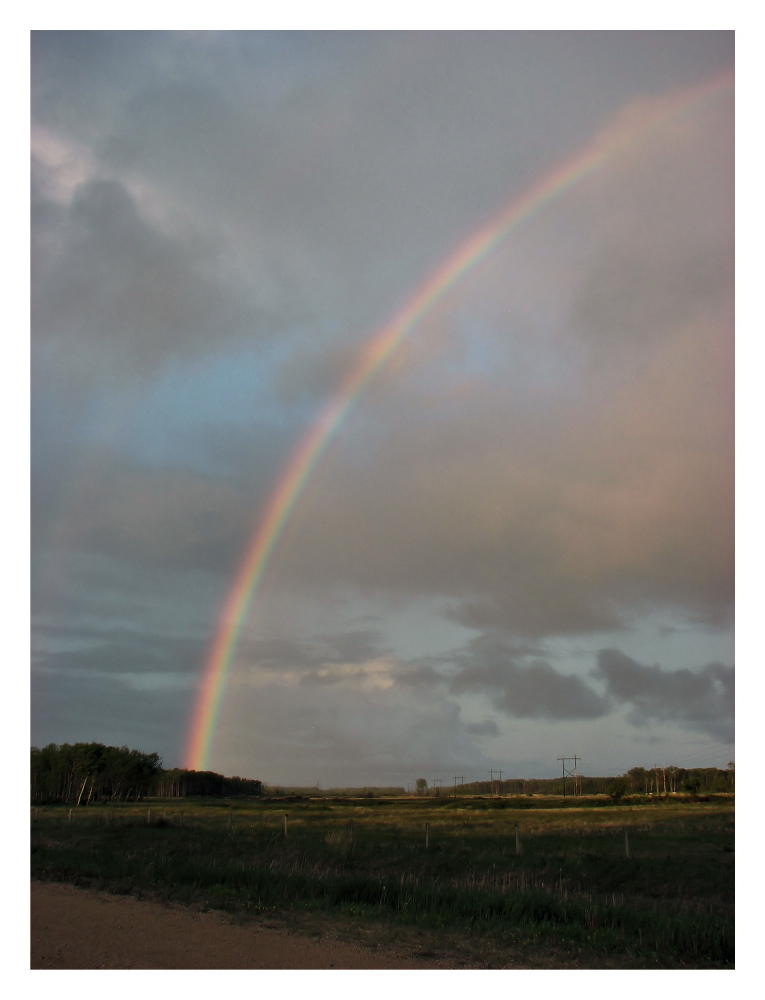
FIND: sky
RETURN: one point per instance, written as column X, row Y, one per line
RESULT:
column 519, row 545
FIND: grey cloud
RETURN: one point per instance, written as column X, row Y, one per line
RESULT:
column 486, row 728
column 701, row 700
column 535, row 519
column 326, row 678
column 527, row 687
column 121, row 653
column 154, row 515
column 388, row 671
column 348, row 657
column 518, row 609
column 352, row 647
column 110, row 709
column 410, row 136
column 490, row 665
column 346, row 647
column 577, row 501
column 122, row 296
column 128, row 613
column 634, row 294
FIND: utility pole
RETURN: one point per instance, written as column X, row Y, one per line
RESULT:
column 436, row 783
column 571, row 772
column 461, row 780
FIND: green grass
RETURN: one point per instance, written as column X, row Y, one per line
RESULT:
column 572, row 888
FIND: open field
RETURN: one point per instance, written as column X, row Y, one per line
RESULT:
column 661, row 896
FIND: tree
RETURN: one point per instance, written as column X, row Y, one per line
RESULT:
column 422, row 786
column 619, row 788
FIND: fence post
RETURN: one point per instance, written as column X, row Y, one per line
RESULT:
column 517, row 841
column 626, row 843
column 285, row 824
column 427, row 833
column 70, row 815
column 148, row 816
column 351, row 826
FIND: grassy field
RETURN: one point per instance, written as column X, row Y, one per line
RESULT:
column 660, row 895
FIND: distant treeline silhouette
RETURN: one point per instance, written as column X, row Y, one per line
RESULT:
column 637, row 781
column 91, row 772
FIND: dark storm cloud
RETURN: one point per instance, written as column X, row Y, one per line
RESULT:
column 701, row 700
column 106, row 708
column 491, row 666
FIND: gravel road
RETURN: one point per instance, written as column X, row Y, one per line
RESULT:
column 74, row 928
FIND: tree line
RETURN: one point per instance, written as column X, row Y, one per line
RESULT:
column 80, row 773
column 179, row 783
column 636, row 781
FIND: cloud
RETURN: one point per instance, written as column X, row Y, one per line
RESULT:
column 121, row 654
column 156, row 516
column 701, row 700
column 355, row 646
column 561, row 461
column 486, row 728
column 220, row 220
column 124, row 298
column 520, row 684
column 491, row 666
column 352, row 659
column 359, row 730
column 379, row 674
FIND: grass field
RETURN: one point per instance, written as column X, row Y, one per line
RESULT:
column 659, row 896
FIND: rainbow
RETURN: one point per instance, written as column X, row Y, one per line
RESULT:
column 377, row 351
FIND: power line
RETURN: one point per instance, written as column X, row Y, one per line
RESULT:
column 571, row 772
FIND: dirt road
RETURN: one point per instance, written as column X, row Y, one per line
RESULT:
column 75, row 928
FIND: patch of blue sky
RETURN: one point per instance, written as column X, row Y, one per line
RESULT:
column 522, row 349
column 419, row 629
column 231, row 390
